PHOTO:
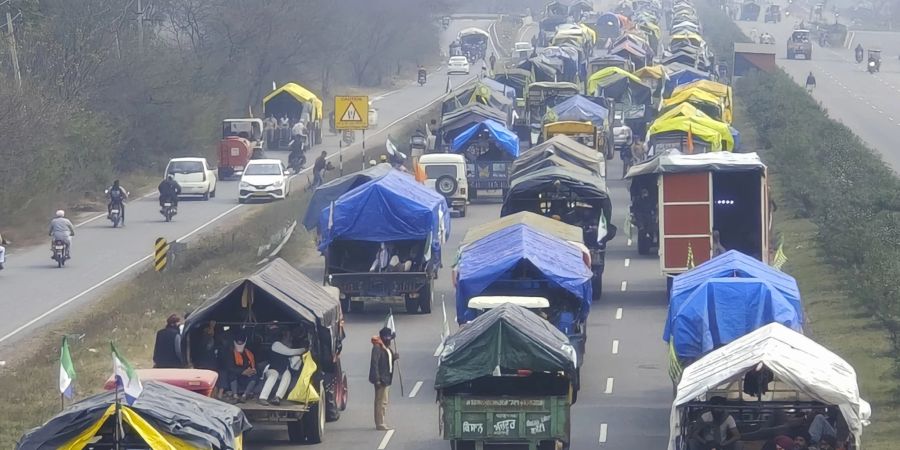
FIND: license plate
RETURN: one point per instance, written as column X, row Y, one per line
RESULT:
column 115, row 211
column 167, row 205
column 60, row 247
column 238, row 167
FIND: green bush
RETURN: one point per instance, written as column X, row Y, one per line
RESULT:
column 830, row 176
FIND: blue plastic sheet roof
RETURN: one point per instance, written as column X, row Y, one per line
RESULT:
column 738, row 265
column 720, row 310
column 486, row 260
column 505, row 139
column 685, row 76
column 580, row 108
column 334, row 189
column 390, row 208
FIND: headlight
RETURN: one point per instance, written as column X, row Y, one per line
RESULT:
column 244, row 185
column 278, row 183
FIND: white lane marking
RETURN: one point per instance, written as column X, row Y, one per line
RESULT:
column 108, row 279
column 619, row 314
column 438, row 350
column 603, row 432
column 624, row 286
column 386, row 439
column 609, row 386
column 627, row 262
column 615, row 345
column 415, row 389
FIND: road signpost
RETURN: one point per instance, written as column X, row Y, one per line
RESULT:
column 351, row 112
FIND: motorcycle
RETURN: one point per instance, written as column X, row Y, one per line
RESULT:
column 115, row 215
column 297, row 161
column 59, row 253
column 168, row 211
column 873, row 67
column 422, row 78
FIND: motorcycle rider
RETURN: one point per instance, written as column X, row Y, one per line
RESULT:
column 3, row 251
column 859, row 52
column 117, row 196
column 169, row 190
column 422, row 74
column 60, row 230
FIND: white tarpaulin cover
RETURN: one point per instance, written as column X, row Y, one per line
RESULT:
column 793, row 358
column 672, row 161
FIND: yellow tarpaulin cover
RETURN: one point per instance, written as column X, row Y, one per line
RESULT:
column 652, row 27
column 156, row 439
column 601, row 74
column 695, row 95
column 723, row 91
column 304, row 391
column 589, row 32
column 562, row 38
column 652, row 72
column 693, row 125
column 683, row 109
column 301, row 94
column 694, row 38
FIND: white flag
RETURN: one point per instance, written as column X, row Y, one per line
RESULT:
column 126, row 377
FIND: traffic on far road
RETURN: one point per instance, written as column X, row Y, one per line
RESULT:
column 503, row 281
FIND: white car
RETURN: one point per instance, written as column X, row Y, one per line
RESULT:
column 264, row 179
column 458, row 64
column 195, row 176
column 622, row 136
column 522, row 47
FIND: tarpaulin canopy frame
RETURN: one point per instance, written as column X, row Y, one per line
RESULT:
column 550, row 226
column 794, row 359
column 334, row 189
column 299, row 93
column 672, row 161
column 501, row 136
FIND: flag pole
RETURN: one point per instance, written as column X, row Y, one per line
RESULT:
column 396, row 347
column 118, row 427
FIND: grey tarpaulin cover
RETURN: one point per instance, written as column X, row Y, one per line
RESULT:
column 563, row 147
column 550, row 226
column 508, row 336
column 672, row 161
column 205, row 422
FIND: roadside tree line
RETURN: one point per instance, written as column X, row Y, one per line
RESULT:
column 108, row 88
column 830, row 176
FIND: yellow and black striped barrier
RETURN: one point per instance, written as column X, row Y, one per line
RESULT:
column 160, row 254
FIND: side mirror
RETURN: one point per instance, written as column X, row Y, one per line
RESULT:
column 286, row 172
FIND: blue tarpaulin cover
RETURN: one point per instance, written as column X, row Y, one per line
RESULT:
column 580, row 108
column 736, row 135
column 488, row 259
column 720, row 310
column 390, row 208
column 505, row 139
column 685, row 76
column 738, row 265
column 334, row 189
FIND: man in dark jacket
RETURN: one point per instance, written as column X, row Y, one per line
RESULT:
column 167, row 350
column 169, row 190
column 381, row 373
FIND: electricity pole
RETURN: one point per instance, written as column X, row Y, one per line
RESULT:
column 11, row 39
column 140, row 24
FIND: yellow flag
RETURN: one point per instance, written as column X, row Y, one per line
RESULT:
column 780, row 258
column 690, row 257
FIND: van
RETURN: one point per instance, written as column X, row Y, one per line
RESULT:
column 446, row 174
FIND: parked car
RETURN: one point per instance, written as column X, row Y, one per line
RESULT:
column 458, row 65
column 622, row 136
column 264, row 179
column 195, row 175
column 446, row 174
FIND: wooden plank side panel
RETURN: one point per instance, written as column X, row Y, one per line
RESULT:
column 686, row 187
column 686, row 220
column 676, row 251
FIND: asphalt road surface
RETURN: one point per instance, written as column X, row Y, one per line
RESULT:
column 866, row 103
column 33, row 291
column 625, row 395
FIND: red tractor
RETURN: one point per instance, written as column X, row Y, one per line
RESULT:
column 242, row 140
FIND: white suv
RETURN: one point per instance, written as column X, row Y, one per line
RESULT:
column 194, row 175
column 446, row 173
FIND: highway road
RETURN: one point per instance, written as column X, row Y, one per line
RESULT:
column 866, row 103
column 625, row 395
column 34, row 292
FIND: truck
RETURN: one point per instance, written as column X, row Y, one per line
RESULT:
column 281, row 296
column 799, row 44
column 374, row 257
column 693, row 206
column 542, row 96
column 506, row 379
column 489, row 148
column 242, row 140
column 293, row 103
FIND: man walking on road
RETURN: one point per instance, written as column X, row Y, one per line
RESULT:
column 381, row 373
column 493, row 61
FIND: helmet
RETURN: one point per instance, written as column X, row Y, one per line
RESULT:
column 383, row 158
column 170, row 177
column 372, row 162
column 60, row 213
